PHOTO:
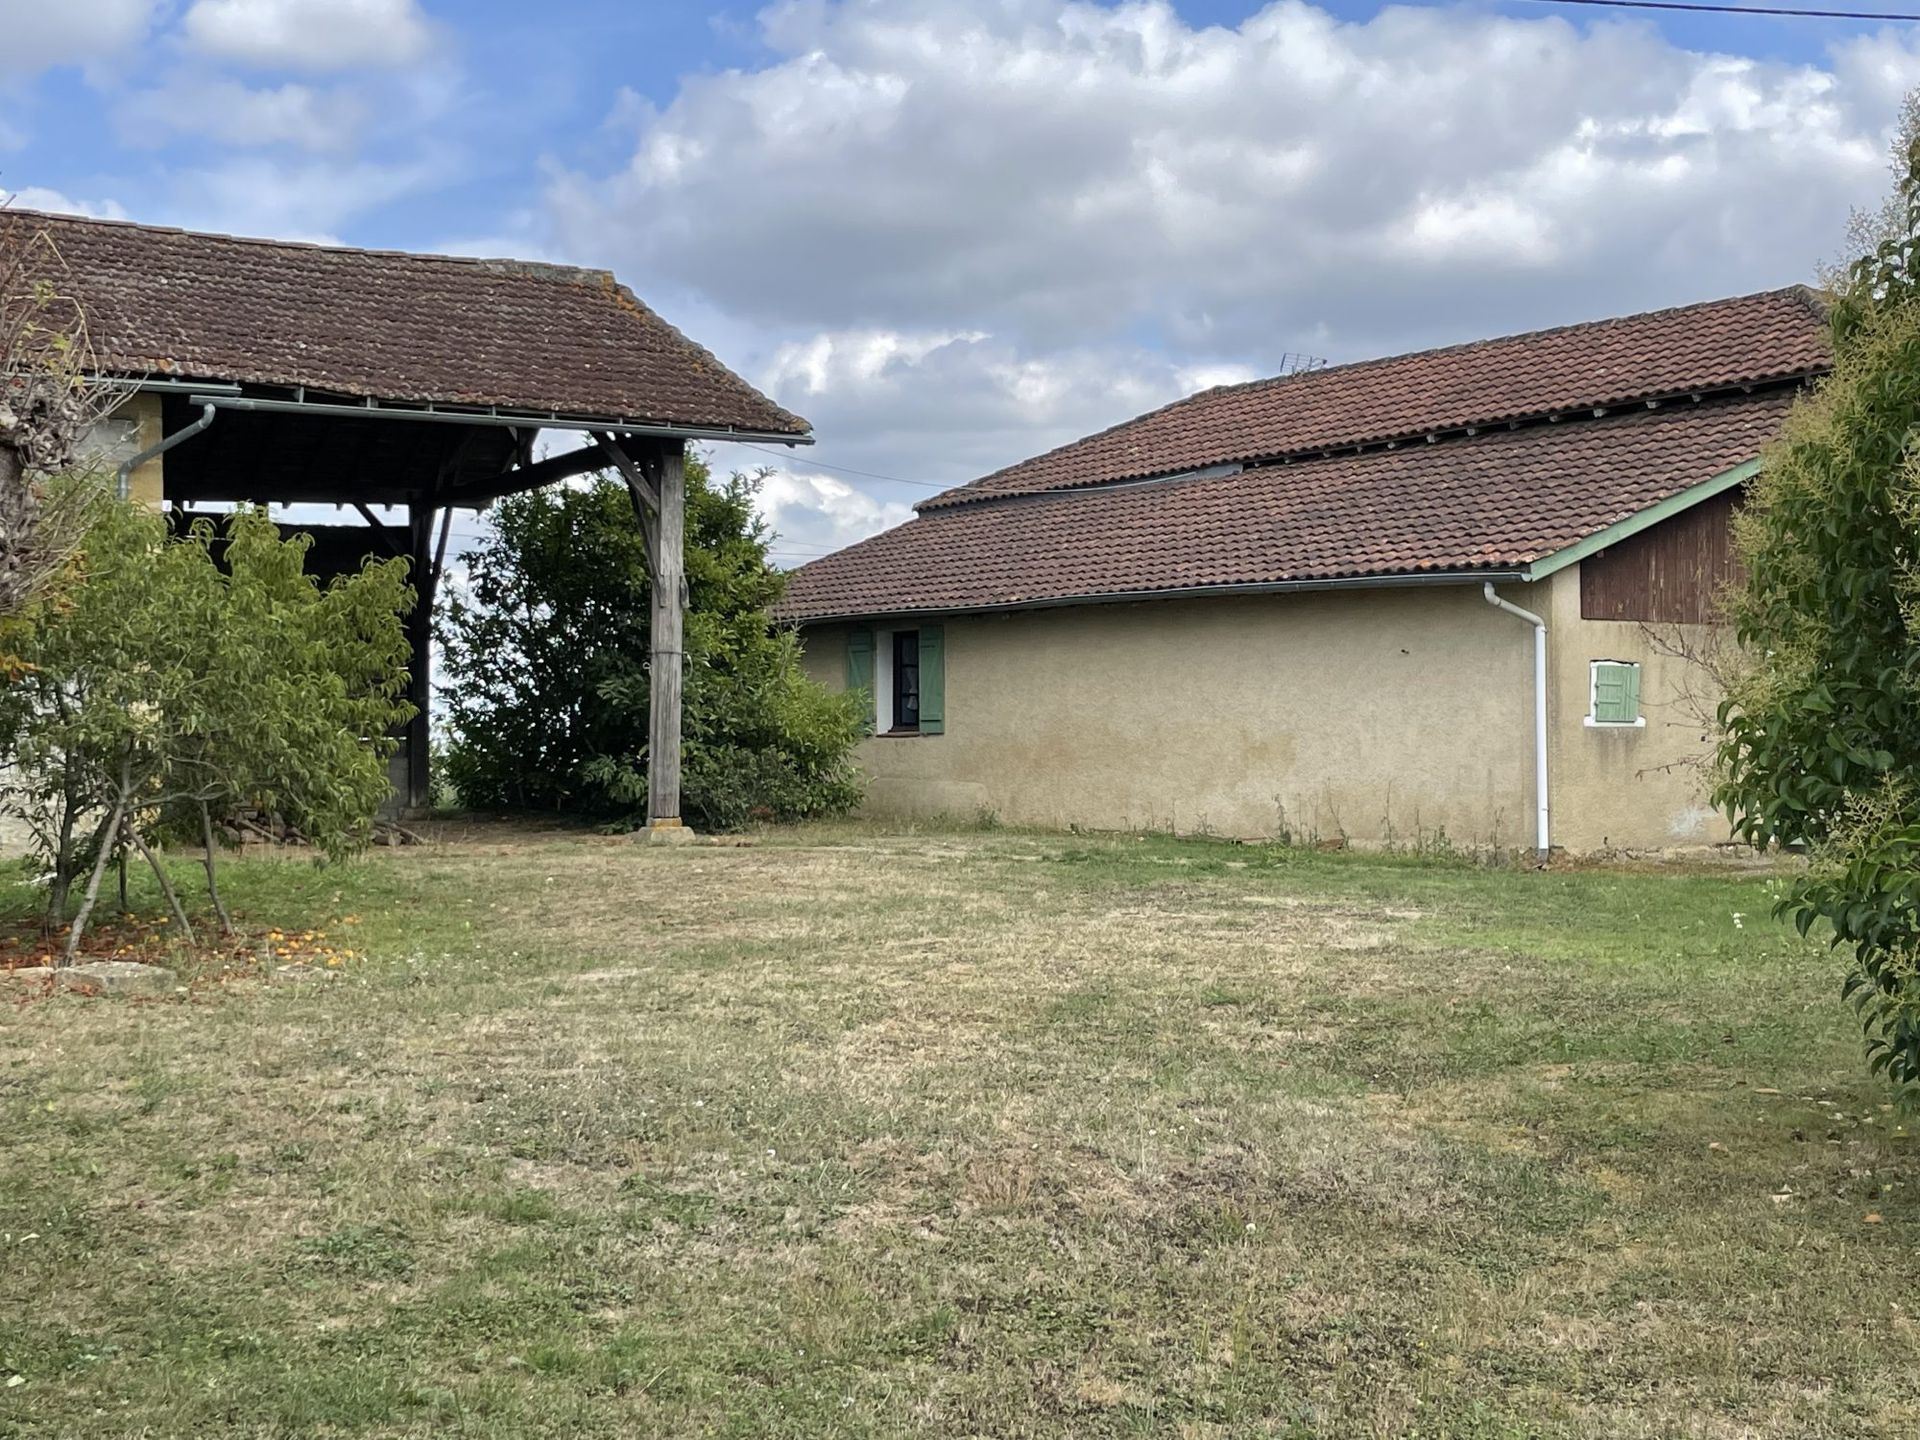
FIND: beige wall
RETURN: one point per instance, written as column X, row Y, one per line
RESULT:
column 134, row 427
column 1621, row 788
column 1386, row 716
column 1367, row 714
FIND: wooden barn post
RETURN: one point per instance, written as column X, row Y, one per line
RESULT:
column 419, row 626
column 667, row 667
column 657, row 481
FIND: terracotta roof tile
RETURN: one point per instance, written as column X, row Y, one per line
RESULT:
column 398, row 327
column 1494, row 502
column 1722, row 343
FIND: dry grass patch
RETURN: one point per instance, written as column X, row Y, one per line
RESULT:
column 975, row 1134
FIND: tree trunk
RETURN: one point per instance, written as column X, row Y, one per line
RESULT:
column 160, row 874
column 108, row 834
column 213, row 879
column 60, row 890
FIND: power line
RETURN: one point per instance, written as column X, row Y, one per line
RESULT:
column 1705, row 9
column 844, row 470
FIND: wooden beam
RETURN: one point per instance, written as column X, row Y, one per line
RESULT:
column 420, row 665
column 380, row 531
column 667, row 663
column 526, row 477
column 638, row 484
column 440, row 550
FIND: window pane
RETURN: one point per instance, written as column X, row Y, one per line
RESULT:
column 906, row 680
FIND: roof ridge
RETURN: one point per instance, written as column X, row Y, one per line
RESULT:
column 536, row 268
column 970, row 491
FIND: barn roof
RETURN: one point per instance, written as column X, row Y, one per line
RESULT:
column 387, row 326
column 1418, row 466
column 1711, row 346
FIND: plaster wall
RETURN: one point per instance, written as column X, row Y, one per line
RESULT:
column 1384, row 716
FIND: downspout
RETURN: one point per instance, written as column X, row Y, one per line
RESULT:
column 122, row 476
column 1543, row 834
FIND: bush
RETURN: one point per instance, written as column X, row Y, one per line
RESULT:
column 172, row 680
column 1821, row 735
column 546, row 646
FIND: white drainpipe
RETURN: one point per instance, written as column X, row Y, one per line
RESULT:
column 1543, row 833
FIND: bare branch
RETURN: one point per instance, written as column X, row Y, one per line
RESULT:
column 51, row 398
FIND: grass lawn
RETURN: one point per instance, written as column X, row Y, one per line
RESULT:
column 852, row 1134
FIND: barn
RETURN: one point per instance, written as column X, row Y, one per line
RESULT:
column 1466, row 596
column 387, row 385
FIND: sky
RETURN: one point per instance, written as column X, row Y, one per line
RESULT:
column 954, row 233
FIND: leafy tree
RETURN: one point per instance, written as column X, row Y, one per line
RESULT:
column 50, row 399
column 1821, row 734
column 547, row 648
column 178, row 678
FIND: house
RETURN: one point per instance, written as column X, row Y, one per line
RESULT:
column 287, row 374
column 1455, row 594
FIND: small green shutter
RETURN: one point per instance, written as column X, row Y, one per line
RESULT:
column 1616, row 693
column 933, row 680
column 860, row 668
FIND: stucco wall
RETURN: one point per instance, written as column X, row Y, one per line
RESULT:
column 134, row 427
column 1386, row 716
column 1627, row 788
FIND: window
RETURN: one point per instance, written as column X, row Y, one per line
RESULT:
column 906, row 680
column 1613, row 694
column 904, row 671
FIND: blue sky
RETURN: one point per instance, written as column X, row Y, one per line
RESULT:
column 955, row 232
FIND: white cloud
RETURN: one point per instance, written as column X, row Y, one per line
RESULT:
column 941, row 408
column 234, row 114
column 310, row 34
column 956, row 232
column 1062, row 173
column 309, row 200
column 931, row 410
column 35, row 197
column 813, row 514
column 39, row 33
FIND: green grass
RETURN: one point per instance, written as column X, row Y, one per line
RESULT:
column 962, row 1133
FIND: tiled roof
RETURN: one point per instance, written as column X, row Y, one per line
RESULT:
column 396, row 327
column 1722, row 343
column 1495, row 502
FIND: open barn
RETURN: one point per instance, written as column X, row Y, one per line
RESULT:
column 280, row 374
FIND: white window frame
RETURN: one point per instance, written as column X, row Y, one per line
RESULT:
column 1639, row 722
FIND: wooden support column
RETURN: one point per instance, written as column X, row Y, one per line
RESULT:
column 420, row 667
column 667, row 664
column 657, row 481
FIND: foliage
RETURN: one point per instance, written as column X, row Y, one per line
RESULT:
column 50, row 399
column 179, row 677
column 547, row 647
column 1821, row 736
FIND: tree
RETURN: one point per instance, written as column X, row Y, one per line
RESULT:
column 547, row 647
column 177, row 678
column 1821, row 734
column 50, row 400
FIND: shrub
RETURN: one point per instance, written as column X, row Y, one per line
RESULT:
column 1821, row 735
column 546, row 646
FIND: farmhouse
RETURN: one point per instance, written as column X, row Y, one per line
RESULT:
column 1457, row 594
column 302, row 375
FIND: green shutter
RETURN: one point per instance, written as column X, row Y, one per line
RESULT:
column 860, row 668
column 933, row 680
column 1616, row 693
